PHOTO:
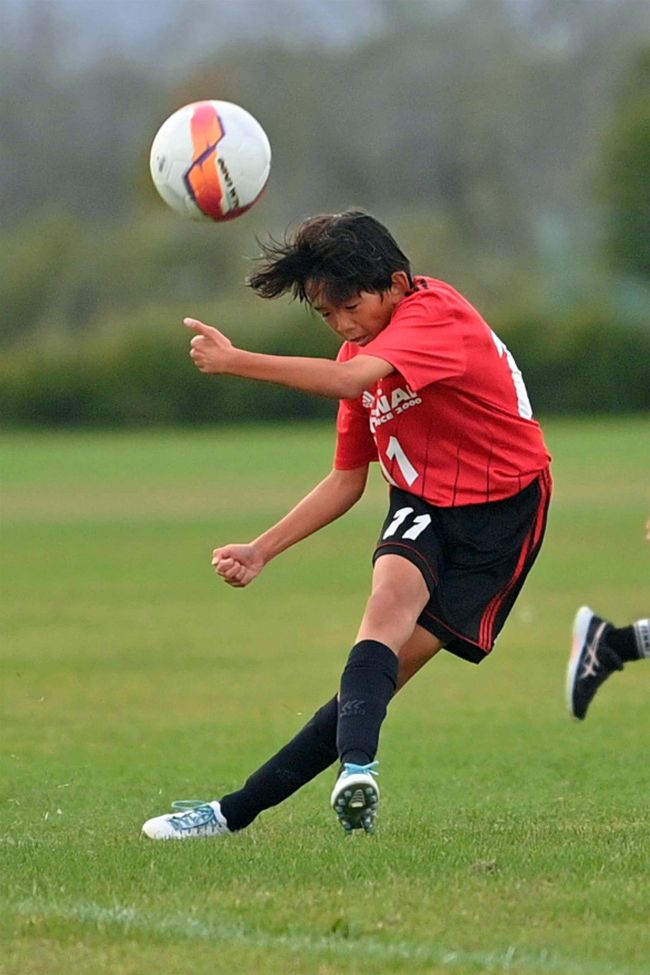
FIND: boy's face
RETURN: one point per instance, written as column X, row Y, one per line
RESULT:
column 364, row 316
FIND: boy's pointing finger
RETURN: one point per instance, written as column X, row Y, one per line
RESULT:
column 198, row 326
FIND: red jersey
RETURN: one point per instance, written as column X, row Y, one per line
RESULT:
column 453, row 423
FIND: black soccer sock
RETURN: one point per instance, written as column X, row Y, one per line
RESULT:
column 630, row 642
column 311, row 751
column 367, row 685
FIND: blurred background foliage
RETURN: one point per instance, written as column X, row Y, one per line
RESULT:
column 506, row 143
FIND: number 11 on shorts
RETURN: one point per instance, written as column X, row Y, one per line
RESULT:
column 420, row 522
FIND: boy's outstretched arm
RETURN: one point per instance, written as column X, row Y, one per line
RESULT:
column 240, row 564
column 212, row 352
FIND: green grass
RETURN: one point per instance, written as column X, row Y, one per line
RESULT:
column 510, row 839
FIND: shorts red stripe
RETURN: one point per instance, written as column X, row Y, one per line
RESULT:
column 530, row 545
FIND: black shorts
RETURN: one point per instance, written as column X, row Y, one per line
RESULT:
column 474, row 560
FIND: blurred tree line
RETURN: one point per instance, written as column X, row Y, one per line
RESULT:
column 505, row 142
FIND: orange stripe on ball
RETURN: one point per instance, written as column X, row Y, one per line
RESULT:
column 203, row 176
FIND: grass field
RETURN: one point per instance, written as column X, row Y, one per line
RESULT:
column 510, row 838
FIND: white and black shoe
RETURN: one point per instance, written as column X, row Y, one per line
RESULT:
column 591, row 662
column 191, row 819
column 355, row 797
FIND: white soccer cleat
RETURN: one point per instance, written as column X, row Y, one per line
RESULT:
column 191, row 819
column 355, row 797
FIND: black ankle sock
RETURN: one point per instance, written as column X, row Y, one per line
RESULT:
column 623, row 643
column 367, row 685
column 304, row 757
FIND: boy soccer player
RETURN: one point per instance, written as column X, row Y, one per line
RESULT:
column 598, row 650
column 430, row 392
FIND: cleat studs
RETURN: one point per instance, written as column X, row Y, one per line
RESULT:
column 356, row 805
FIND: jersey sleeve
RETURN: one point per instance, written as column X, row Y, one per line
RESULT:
column 355, row 446
column 423, row 341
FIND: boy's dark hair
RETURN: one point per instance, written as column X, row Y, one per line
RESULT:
column 343, row 253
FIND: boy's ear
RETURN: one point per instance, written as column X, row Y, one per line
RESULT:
column 401, row 284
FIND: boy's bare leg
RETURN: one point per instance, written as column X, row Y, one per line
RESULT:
column 399, row 594
column 421, row 647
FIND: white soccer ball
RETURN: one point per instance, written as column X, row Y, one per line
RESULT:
column 210, row 161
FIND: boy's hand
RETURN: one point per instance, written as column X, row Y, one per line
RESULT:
column 211, row 351
column 237, row 564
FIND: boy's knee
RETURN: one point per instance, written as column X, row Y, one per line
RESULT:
column 390, row 616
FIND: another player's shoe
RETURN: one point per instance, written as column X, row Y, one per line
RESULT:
column 355, row 797
column 591, row 662
column 191, row 819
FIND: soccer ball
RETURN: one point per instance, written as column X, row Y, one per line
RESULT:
column 210, row 161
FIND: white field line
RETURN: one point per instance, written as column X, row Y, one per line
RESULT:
column 184, row 926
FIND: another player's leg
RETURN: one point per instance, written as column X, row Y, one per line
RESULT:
column 310, row 752
column 598, row 650
column 399, row 594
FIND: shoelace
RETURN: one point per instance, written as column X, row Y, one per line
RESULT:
column 353, row 769
column 190, row 813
